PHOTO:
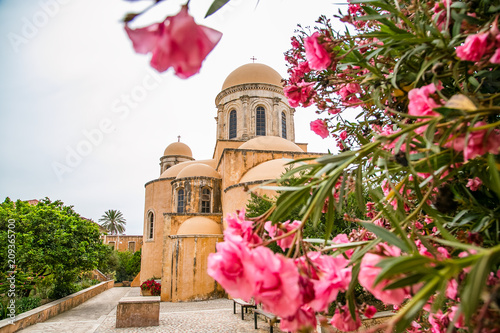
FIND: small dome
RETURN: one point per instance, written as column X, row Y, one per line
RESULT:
column 178, row 148
column 252, row 73
column 173, row 171
column 272, row 169
column 199, row 225
column 198, row 170
column 274, row 143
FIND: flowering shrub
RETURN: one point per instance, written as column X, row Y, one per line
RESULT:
column 423, row 78
column 153, row 286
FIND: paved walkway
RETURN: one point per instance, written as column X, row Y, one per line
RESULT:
column 98, row 315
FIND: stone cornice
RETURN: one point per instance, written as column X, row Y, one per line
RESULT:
column 246, row 87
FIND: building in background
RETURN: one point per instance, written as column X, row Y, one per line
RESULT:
column 184, row 207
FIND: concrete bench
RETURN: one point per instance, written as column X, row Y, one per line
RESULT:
column 272, row 318
column 140, row 311
column 244, row 305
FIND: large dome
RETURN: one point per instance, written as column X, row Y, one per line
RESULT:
column 252, row 73
column 198, row 170
column 178, row 148
column 273, row 143
column 269, row 170
column 173, row 171
column 199, row 225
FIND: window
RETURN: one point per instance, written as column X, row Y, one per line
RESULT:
column 131, row 247
column 283, row 125
column 205, row 200
column 232, row 124
column 260, row 121
column 112, row 244
column 181, row 204
column 151, row 221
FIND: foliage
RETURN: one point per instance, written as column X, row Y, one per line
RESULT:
column 113, row 221
column 27, row 303
column 109, row 261
column 50, row 240
column 153, row 286
column 422, row 78
column 129, row 265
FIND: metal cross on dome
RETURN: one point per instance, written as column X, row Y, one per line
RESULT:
column 253, row 59
column 178, row 138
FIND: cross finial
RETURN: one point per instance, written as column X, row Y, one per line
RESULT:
column 253, row 59
column 178, row 138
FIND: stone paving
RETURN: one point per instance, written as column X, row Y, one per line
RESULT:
column 98, row 315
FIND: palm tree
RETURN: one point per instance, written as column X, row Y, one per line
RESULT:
column 114, row 221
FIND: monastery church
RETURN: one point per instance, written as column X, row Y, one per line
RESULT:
column 185, row 206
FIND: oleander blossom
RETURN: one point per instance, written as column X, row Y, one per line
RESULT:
column 238, row 225
column 303, row 319
column 177, row 42
column 421, row 102
column 232, row 266
column 300, row 93
column 368, row 273
column 343, row 321
column 474, row 47
column 276, row 282
column 476, row 143
column 474, row 183
column 316, row 54
column 320, row 127
column 277, row 231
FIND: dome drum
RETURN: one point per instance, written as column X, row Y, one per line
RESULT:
column 196, row 195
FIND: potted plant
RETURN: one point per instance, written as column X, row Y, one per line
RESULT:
column 150, row 288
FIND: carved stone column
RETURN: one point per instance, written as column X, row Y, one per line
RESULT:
column 275, row 129
column 292, row 126
column 220, row 122
column 246, row 116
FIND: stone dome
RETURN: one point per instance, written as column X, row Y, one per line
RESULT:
column 199, row 225
column 173, row 171
column 270, row 143
column 198, row 170
column 252, row 73
column 178, row 148
column 272, row 169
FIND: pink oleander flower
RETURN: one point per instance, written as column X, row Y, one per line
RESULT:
column 474, row 48
column 440, row 13
column 300, row 93
column 460, row 323
column 333, row 276
column 478, row 142
column 316, row 54
column 276, row 282
column 368, row 273
column 452, row 289
column 177, row 42
column 343, row 239
column 474, row 183
column 420, row 102
column 274, row 231
column 370, row 311
column 303, row 320
column 237, row 225
column 298, row 72
column 343, row 321
column 348, row 93
column 232, row 266
column 320, row 127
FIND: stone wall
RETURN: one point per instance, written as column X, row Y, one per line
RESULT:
column 49, row 310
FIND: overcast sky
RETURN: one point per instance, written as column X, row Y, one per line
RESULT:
column 69, row 129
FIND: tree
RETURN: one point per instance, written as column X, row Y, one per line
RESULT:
column 50, row 239
column 113, row 221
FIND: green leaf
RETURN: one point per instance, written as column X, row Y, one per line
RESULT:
column 474, row 284
column 386, row 235
column 216, row 5
column 494, row 174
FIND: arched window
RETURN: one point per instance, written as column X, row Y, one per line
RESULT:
column 205, row 200
column 181, row 203
column 260, row 121
column 232, row 124
column 151, row 222
column 283, row 125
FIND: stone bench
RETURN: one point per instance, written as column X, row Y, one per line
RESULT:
column 244, row 305
column 272, row 318
column 140, row 311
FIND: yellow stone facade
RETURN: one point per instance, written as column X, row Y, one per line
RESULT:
column 184, row 207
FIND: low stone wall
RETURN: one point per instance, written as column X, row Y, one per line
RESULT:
column 52, row 309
